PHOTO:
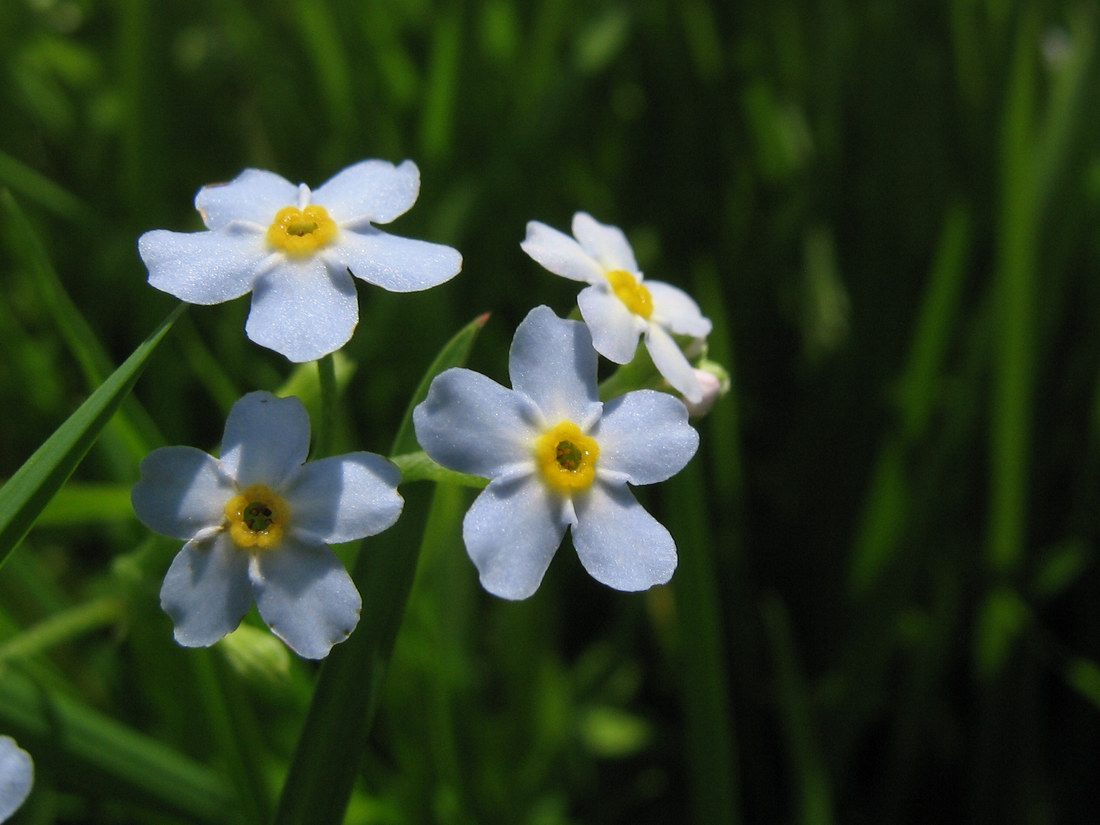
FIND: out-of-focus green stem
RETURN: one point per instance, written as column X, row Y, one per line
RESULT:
column 61, row 627
column 326, row 373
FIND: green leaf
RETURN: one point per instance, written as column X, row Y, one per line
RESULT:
column 101, row 757
column 326, row 762
column 453, row 354
column 419, row 467
column 32, row 486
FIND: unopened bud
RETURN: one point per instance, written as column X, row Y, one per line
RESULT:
column 715, row 381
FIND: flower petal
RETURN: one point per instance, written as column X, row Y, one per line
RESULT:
column 344, row 498
column 675, row 309
column 472, row 424
column 266, row 439
column 305, row 596
column 671, row 362
column 553, row 363
column 181, row 491
column 607, row 244
column 303, row 310
column 560, row 254
column 254, row 195
column 206, row 590
column 646, row 435
column 511, row 532
column 392, row 262
column 615, row 329
column 619, row 543
column 204, row 267
column 16, row 777
column 371, row 190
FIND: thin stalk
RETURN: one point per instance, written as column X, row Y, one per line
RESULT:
column 326, row 372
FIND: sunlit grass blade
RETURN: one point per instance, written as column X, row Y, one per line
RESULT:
column 134, row 426
column 33, row 485
column 87, row 504
column 453, row 354
column 106, row 759
column 320, row 779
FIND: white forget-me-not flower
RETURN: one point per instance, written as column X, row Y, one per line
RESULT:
column 619, row 304
column 258, row 523
column 293, row 249
column 557, row 458
column 16, row 777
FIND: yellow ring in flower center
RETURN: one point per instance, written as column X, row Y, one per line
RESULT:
column 630, row 292
column 566, row 458
column 257, row 517
column 301, row 232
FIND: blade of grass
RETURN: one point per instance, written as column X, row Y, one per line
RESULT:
column 318, row 785
column 43, row 191
column 106, row 759
column 32, row 486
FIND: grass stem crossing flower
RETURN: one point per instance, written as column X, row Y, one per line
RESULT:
column 258, row 523
column 557, row 459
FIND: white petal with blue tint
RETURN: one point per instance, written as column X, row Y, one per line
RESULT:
column 560, row 254
column 618, row 542
column 675, row 309
column 472, row 424
column 303, row 310
column 646, row 435
column 511, row 532
column 182, row 490
column 671, row 362
column 16, row 777
column 204, row 267
column 254, row 195
column 552, row 362
column 615, row 329
column 371, row 190
column 266, row 439
column 206, row 591
column 391, row 262
column 305, row 596
column 344, row 498
column 607, row 244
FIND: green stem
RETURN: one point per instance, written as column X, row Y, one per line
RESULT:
column 61, row 627
column 326, row 372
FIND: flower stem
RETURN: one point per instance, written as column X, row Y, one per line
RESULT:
column 326, row 372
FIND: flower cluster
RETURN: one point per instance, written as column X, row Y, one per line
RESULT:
column 16, row 777
column 258, row 521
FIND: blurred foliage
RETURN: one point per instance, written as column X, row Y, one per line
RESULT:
column 887, row 604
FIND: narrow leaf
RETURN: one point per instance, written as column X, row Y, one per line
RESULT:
column 32, row 486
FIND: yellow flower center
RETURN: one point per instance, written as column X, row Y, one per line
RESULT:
column 630, row 292
column 257, row 517
column 566, row 458
column 301, row 232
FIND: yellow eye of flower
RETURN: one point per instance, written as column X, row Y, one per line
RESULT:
column 566, row 458
column 301, row 232
column 630, row 292
column 257, row 517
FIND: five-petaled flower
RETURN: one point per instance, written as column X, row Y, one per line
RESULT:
column 619, row 304
column 294, row 250
column 258, row 523
column 16, row 777
column 557, row 458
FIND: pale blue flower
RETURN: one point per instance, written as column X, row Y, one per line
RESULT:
column 258, row 523
column 620, row 304
column 557, row 458
column 16, row 777
column 295, row 251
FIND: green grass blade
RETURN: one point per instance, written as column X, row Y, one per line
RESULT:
column 134, row 426
column 453, row 354
column 104, row 758
column 32, row 486
column 320, row 779
column 43, row 191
